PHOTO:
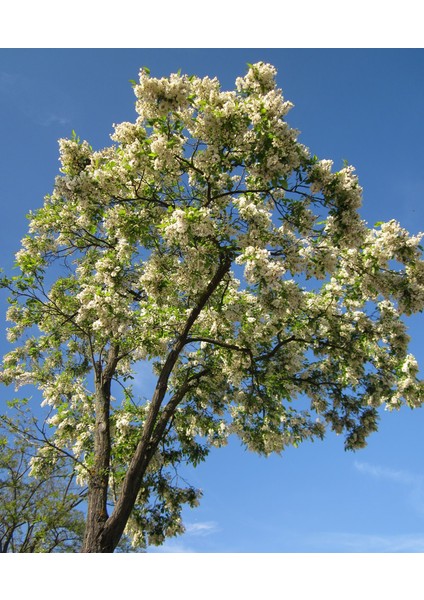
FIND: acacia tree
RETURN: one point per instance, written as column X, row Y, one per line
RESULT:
column 209, row 242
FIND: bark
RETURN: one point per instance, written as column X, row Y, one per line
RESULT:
column 99, row 477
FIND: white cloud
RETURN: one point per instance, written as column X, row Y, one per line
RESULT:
column 53, row 119
column 171, row 546
column 397, row 476
column 364, row 542
column 201, row 528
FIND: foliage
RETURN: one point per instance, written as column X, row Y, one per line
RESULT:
column 37, row 515
column 207, row 241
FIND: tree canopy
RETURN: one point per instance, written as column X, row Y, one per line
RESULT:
column 208, row 242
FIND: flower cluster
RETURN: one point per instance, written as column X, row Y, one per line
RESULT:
column 260, row 267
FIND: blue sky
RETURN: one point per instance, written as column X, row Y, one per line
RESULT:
column 361, row 105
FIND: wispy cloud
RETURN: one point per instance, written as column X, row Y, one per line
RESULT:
column 202, row 528
column 45, row 108
column 193, row 530
column 398, row 476
column 364, row 542
column 412, row 483
column 172, row 546
column 53, row 119
column 8, row 81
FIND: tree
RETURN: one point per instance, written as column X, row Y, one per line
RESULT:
column 43, row 514
column 37, row 515
column 209, row 242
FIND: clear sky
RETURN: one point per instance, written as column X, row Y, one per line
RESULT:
column 365, row 106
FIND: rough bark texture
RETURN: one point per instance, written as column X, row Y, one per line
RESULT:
column 99, row 478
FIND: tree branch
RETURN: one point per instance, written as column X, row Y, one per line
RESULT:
column 116, row 522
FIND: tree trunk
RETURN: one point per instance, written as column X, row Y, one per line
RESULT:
column 99, row 476
column 96, row 518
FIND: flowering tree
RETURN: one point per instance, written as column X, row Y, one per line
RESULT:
column 208, row 241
